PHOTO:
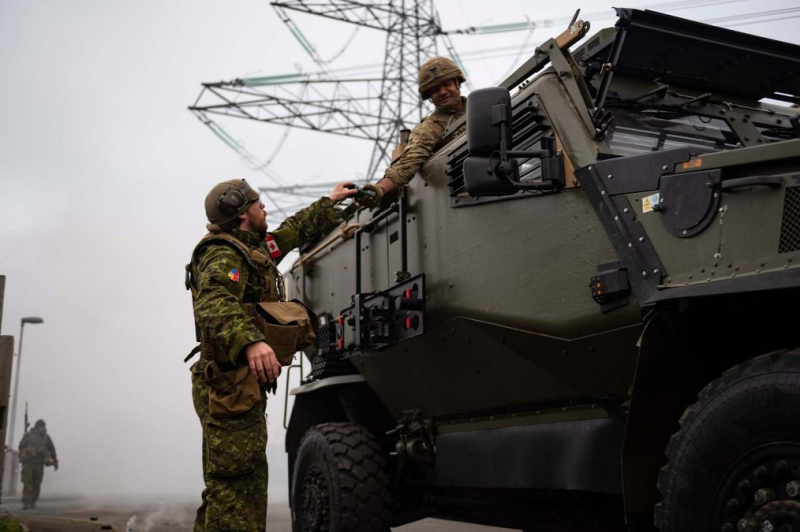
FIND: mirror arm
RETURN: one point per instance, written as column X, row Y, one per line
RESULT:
column 505, row 153
column 504, row 167
column 503, row 141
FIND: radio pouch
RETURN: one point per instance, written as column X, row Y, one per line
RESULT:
column 287, row 326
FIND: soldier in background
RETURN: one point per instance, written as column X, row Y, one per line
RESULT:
column 36, row 450
column 233, row 269
column 440, row 81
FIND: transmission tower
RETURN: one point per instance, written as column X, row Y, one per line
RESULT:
column 372, row 108
column 351, row 103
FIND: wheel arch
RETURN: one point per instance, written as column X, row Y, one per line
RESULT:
column 685, row 345
column 342, row 482
column 348, row 399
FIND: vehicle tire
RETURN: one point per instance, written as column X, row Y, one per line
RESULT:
column 733, row 462
column 340, row 482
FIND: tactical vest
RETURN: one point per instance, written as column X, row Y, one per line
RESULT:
column 261, row 263
column 36, row 450
column 287, row 327
column 445, row 119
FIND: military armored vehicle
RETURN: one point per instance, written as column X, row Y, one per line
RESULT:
column 579, row 315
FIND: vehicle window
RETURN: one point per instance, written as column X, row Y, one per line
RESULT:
column 637, row 131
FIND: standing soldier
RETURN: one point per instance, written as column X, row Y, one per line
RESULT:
column 234, row 279
column 440, row 81
column 36, row 450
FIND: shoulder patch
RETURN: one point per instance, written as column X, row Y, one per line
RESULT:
column 233, row 275
column 274, row 250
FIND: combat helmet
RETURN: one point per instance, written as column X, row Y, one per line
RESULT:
column 39, row 423
column 229, row 199
column 437, row 70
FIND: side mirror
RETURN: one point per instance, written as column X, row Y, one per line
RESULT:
column 488, row 127
column 483, row 178
column 491, row 169
column 488, row 121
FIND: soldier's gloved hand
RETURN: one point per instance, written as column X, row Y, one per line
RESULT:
column 262, row 361
column 371, row 196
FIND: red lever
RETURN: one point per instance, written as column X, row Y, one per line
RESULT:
column 340, row 333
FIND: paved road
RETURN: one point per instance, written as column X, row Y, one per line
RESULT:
column 69, row 514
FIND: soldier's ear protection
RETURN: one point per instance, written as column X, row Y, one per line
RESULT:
column 233, row 200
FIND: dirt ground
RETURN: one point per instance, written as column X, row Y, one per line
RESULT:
column 72, row 514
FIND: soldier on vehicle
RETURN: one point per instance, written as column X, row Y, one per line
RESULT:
column 440, row 81
column 233, row 277
column 36, row 450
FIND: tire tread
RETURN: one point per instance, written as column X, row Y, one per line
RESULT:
column 363, row 482
column 782, row 361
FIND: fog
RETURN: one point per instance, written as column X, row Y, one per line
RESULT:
column 103, row 173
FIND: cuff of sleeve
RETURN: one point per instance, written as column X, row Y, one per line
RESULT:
column 394, row 178
column 250, row 337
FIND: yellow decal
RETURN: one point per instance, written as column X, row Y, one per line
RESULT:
column 648, row 202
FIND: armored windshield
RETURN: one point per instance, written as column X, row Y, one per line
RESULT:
column 673, row 83
column 641, row 130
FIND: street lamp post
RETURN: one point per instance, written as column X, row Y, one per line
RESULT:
column 12, row 488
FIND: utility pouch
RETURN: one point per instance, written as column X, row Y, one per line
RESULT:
column 231, row 393
column 288, row 327
column 26, row 454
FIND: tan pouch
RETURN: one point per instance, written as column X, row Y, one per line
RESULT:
column 26, row 454
column 231, row 392
column 288, row 327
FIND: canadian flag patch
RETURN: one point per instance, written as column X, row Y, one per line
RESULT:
column 274, row 250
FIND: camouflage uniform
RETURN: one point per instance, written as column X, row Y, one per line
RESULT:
column 234, row 447
column 425, row 140
column 36, row 449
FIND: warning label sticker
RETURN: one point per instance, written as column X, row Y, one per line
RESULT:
column 648, row 202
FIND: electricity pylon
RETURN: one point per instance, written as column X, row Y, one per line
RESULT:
column 372, row 108
column 367, row 107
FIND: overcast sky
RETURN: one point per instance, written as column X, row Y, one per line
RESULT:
column 104, row 172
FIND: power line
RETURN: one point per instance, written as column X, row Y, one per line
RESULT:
column 745, row 16
column 246, row 156
column 519, row 50
column 779, row 19
column 367, row 70
column 373, row 108
column 373, row 101
column 548, row 23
